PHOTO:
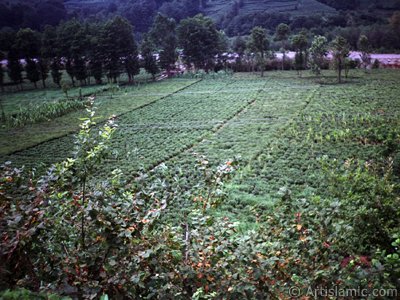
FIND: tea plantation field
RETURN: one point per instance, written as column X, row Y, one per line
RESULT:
column 280, row 125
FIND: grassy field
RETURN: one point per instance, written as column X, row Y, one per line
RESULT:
column 110, row 100
column 281, row 125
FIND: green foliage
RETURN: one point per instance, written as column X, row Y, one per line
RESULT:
column 259, row 44
column 85, row 233
column 282, row 32
column 32, row 71
column 150, row 62
column 318, row 51
column 55, row 71
column 370, row 188
column 23, row 294
column 27, row 42
column 43, row 68
column 163, row 34
column 199, row 39
column 300, row 43
column 118, row 42
column 80, row 71
column 32, row 114
column 365, row 47
column 239, row 45
column 340, row 51
column 14, row 67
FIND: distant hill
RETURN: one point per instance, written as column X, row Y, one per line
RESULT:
column 141, row 12
column 236, row 17
column 218, row 8
column 31, row 13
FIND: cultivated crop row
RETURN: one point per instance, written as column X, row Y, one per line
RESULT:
column 113, row 101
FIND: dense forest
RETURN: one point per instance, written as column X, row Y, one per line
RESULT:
column 236, row 18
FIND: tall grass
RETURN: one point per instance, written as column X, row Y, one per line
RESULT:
column 38, row 113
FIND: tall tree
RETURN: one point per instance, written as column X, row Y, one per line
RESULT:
column 239, row 47
column 132, row 66
column 150, row 62
column 80, row 70
column 68, row 34
column 55, row 68
column 14, row 67
column 318, row 51
column 365, row 48
column 95, row 52
column 259, row 44
column 163, row 35
column 119, row 48
column 79, row 50
column 223, row 46
column 199, row 39
column 282, row 33
column 340, row 51
column 28, row 45
column 43, row 68
column 32, row 71
column 50, row 55
column 299, row 44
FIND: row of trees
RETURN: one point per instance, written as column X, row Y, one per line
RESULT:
column 92, row 50
column 84, row 50
column 382, row 32
column 95, row 49
column 307, row 56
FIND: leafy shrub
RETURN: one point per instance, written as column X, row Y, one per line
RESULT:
column 23, row 294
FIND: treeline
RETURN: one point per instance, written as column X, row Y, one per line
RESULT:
column 255, row 53
column 84, row 49
column 381, row 33
column 97, row 49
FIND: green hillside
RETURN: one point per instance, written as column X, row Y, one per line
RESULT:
column 218, row 8
column 235, row 17
column 73, row 4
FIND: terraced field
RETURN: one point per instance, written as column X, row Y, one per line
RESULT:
column 280, row 125
column 217, row 9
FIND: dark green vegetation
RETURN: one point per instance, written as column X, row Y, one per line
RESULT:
column 348, row 18
column 312, row 202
